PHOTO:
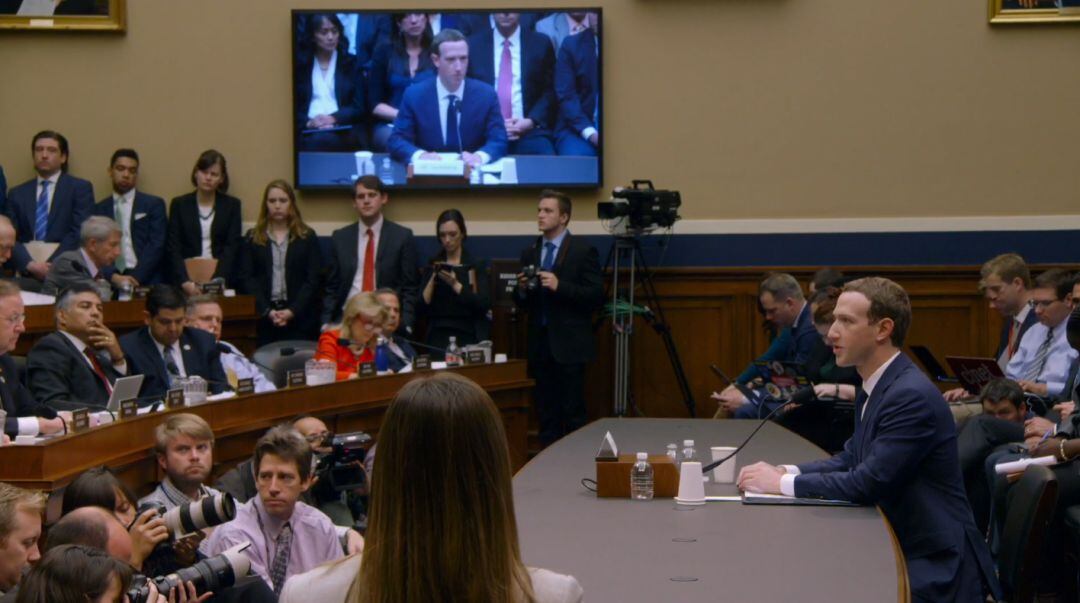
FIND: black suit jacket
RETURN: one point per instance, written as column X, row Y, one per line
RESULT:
column 350, row 96
column 17, row 400
column 199, row 351
column 577, row 82
column 538, row 68
column 148, row 234
column 303, row 262
column 570, row 308
column 72, row 203
column 185, row 236
column 395, row 267
column 60, row 377
column 396, row 362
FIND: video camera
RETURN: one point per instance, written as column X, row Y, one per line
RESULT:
column 643, row 207
column 211, row 574
column 206, row 512
column 342, row 467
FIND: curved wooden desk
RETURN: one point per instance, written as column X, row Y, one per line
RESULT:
column 626, row 550
column 127, row 446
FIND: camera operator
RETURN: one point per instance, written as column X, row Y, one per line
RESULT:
column 560, row 286
column 343, row 511
column 20, row 529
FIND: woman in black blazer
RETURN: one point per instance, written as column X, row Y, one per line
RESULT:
column 330, row 107
column 204, row 223
column 292, row 312
column 455, row 294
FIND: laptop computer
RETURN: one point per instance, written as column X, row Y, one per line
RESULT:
column 974, row 373
column 125, row 388
column 931, row 364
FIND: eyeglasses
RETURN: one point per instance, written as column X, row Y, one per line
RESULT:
column 317, row 438
column 1043, row 303
column 15, row 319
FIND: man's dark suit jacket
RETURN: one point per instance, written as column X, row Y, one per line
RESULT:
column 903, row 458
column 803, row 337
column 538, row 67
column 577, row 82
column 59, row 375
column 185, row 235
column 570, row 308
column 395, row 267
column 199, row 351
column 350, row 96
column 1003, row 341
column 148, row 233
column 303, row 265
column 418, row 125
column 72, row 203
column 17, row 400
column 396, row 363
column 70, row 268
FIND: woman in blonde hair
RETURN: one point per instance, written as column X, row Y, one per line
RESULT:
column 441, row 525
column 353, row 342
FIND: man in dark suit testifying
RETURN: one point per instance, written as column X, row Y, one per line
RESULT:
column 142, row 223
column 903, row 455
column 560, row 303
column 449, row 113
column 519, row 64
column 165, row 350
column 372, row 253
column 77, row 365
column 50, row 207
column 25, row 416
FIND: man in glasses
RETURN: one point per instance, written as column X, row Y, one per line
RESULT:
column 23, row 414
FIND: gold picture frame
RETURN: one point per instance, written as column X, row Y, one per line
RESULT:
column 1034, row 11
column 69, row 15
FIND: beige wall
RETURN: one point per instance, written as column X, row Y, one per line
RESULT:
column 752, row 108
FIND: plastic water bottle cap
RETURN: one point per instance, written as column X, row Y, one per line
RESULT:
column 643, row 456
column 688, row 442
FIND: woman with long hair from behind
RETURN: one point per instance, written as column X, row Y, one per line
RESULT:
column 441, row 525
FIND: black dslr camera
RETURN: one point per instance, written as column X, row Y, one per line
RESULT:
column 342, row 467
column 532, row 277
column 643, row 207
column 211, row 574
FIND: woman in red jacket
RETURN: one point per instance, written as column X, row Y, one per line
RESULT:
column 353, row 342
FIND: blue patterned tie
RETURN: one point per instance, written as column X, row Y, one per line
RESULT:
column 453, row 142
column 546, row 265
column 41, row 215
column 1041, row 354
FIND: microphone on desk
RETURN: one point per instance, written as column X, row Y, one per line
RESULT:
column 801, row 396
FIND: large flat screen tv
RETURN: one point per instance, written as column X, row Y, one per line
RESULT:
column 457, row 99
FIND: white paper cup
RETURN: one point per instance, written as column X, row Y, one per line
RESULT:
column 725, row 473
column 509, row 171
column 500, row 358
column 361, row 158
column 691, row 488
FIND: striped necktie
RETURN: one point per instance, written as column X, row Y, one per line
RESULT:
column 41, row 213
column 1039, row 361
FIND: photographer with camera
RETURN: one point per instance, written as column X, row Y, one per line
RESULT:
column 560, row 286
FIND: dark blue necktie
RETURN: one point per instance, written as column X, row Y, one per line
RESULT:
column 453, row 143
column 546, row 264
column 41, row 214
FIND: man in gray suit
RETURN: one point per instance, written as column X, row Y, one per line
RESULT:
column 99, row 239
column 559, row 26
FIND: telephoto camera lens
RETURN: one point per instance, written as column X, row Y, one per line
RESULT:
column 207, row 512
column 213, row 574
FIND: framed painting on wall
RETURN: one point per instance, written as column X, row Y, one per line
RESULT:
column 1034, row 11
column 63, row 15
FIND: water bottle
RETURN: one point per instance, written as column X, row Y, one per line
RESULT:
column 688, row 452
column 453, row 352
column 369, row 167
column 641, row 478
column 673, row 453
column 386, row 171
column 382, row 355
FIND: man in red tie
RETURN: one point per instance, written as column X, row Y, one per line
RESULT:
column 76, row 366
column 372, row 253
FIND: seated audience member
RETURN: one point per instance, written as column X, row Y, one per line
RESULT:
column 165, row 350
column 73, row 573
column 99, row 487
column 1044, row 358
column 455, row 296
column 49, row 207
column 824, row 278
column 374, row 252
column 520, row 64
column 364, row 32
column 782, row 300
column 7, row 239
column 20, row 529
column 401, row 351
column 577, row 89
column 142, row 222
column 559, row 26
column 184, row 447
column 287, row 536
column 395, row 66
column 465, row 464
column 353, row 342
column 343, row 511
column 330, row 103
column 1005, row 281
column 78, row 364
column 449, row 113
column 204, row 312
column 99, row 247
column 280, row 264
column 24, row 414
column 204, row 223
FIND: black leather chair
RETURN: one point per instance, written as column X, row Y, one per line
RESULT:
column 1071, row 584
column 278, row 358
column 1031, row 503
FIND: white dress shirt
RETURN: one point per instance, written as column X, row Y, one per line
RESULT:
column 516, row 105
column 323, row 96
column 124, row 205
column 787, row 481
column 361, row 255
column 435, row 23
column 243, row 368
column 205, row 224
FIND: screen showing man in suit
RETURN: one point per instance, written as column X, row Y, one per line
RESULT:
column 479, row 86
